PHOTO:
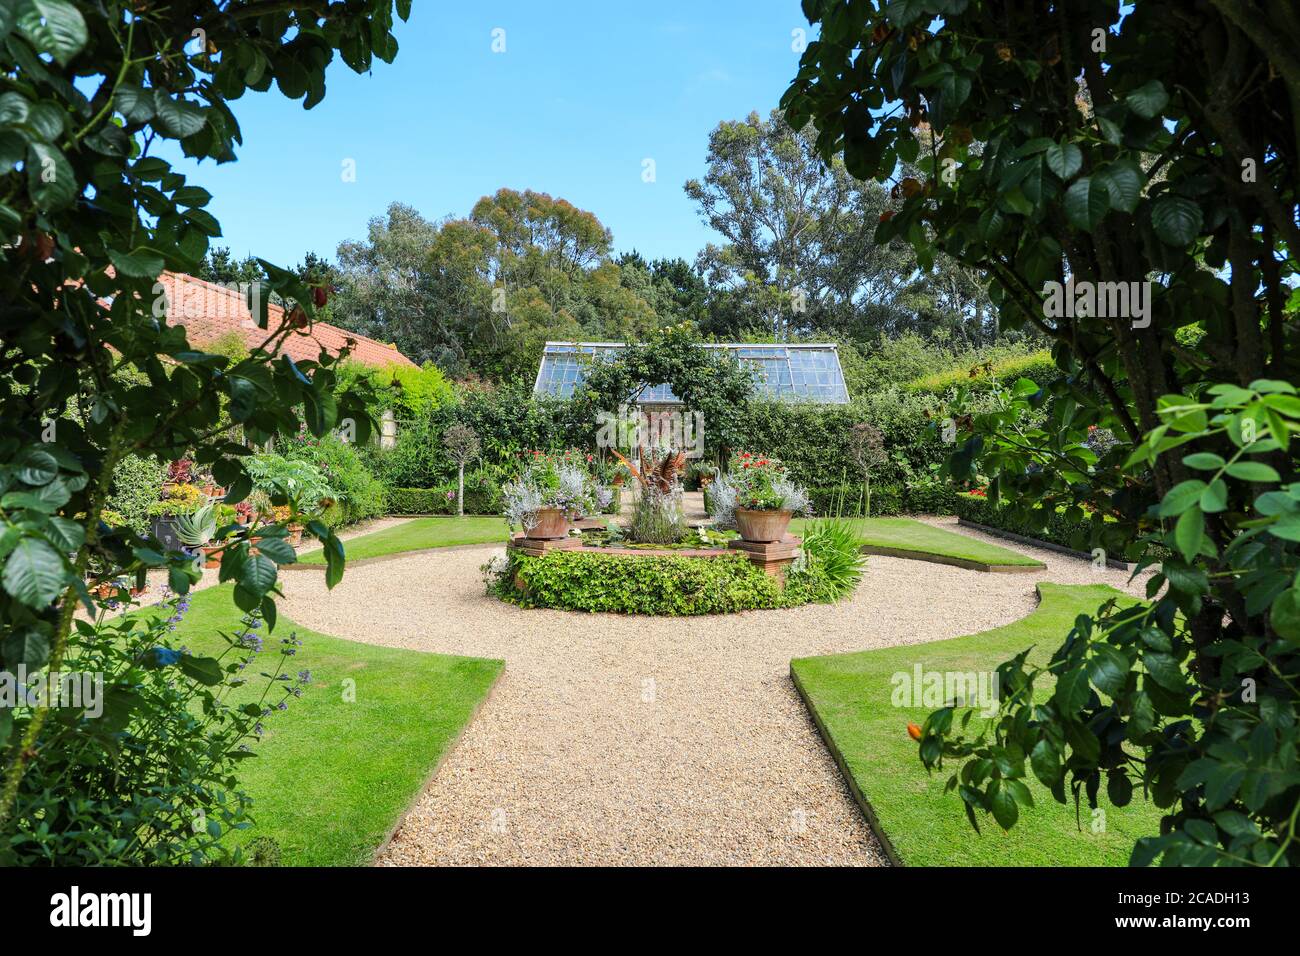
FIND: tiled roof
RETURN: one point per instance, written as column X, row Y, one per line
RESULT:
column 210, row 311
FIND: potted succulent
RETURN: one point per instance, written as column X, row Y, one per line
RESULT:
column 196, row 532
column 550, row 492
column 766, row 499
column 177, row 501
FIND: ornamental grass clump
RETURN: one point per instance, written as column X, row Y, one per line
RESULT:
column 657, row 518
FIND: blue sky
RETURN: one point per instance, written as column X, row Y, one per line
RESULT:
column 584, row 92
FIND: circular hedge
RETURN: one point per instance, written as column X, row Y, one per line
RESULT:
column 592, row 580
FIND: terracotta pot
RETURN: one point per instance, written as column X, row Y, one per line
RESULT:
column 211, row 558
column 295, row 534
column 762, row 525
column 551, row 523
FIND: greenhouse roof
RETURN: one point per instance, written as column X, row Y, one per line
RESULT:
column 794, row 371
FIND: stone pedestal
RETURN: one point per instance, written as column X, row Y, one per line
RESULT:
column 536, row 547
column 774, row 557
column 590, row 524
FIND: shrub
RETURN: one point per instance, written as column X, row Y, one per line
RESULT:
column 482, row 497
column 990, row 367
column 142, row 776
column 1069, row 527
column 621, row 584
column 136, row 484
column 359, row 493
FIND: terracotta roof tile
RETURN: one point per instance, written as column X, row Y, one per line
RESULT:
column 210, row 311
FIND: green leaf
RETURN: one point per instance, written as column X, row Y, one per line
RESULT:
column 1164, row 670
column 134, row 103
column 38, row 468
column 35, row 573
column 28, row 647
column 1108, row 669
column 1086, row 203
column 1123, row 181
column 1285, row 615
column 278, row 550
column 1253, row 471
column 1204, row 461
column 1181, row 497
column 50, row 178
column 1119, row 788
column 1072, row 691
column 1064, row 159
column 258, row 574
column 1176, row 220
column 1004, row 809
column 1046, row 762
column 178, row 116
column 55, row 27
column 1148, row 100
column 1287, row 527
column 1215, row 498
column 140, row 264
column 205, row 670
column 1189, row 532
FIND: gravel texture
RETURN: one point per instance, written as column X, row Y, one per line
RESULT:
column 632, row 740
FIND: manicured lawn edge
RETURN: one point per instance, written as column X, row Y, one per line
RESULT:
column 914, row 540
column 919, row 823
column 934, row 558
column 859, row 797
column 319, row 567
column 413, row 534
column 1040, row 543
column 335, row 776
column 452, row 744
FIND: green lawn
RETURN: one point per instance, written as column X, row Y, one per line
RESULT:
column 331, row 777
column 418, row 534
column 910, row 535
column 850, row 696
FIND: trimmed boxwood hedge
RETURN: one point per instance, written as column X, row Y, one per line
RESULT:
column 623, row 584
column 1055, row 526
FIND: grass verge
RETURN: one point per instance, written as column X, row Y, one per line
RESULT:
column 418, row 534
column 332, row 777
column 906, row 534
column 850, row 698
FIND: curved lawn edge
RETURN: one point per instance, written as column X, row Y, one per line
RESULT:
column 417, row 534
column 849, row 699
column 338, row 771
column 917, row 541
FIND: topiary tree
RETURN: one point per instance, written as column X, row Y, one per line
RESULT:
column 1126, row 179
column 90, row 216
column 462, row 446
column 867, row 449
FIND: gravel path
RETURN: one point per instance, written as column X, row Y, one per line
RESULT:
column 629, row 740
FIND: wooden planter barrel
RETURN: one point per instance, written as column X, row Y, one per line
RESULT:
column 762, row 526
column 551, row 523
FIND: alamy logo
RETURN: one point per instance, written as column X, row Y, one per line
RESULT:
column 923, row 688
column 75, row 909
column 1098, row 300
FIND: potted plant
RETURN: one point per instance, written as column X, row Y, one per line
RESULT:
column 550, row 492
column 766, row 499
column 178, row 500
column 197, row 530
